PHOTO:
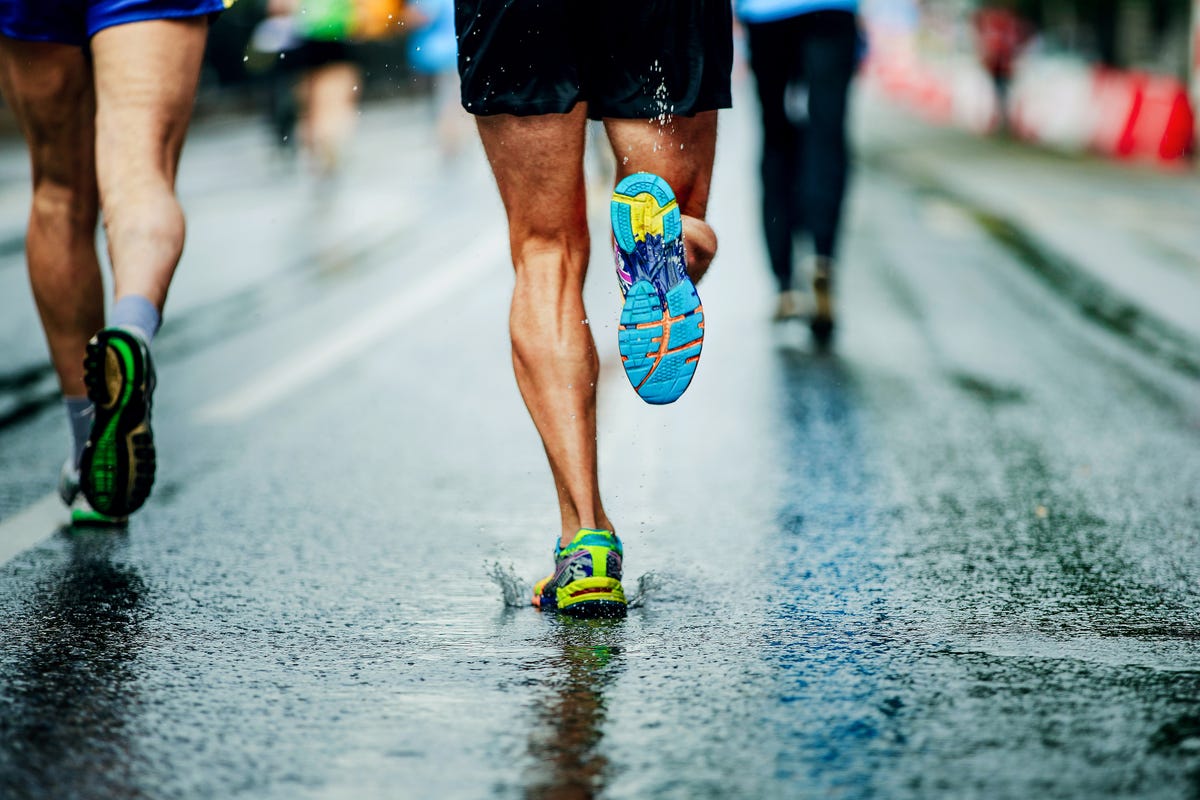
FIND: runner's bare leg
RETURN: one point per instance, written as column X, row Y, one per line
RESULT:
column 330, row 98
column 146, row 76
column 49, row 88
column 680, row 150
column 538, row 164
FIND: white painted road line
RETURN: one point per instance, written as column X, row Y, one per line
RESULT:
column 22, row 531
column 484, row 254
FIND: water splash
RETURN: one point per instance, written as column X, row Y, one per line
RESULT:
column 646, row 584
column 515, row 591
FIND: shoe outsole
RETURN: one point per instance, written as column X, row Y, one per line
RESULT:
column 83, row 518
column 596, row 609
column 659, row 338
column 612, row 605
column 118, row 462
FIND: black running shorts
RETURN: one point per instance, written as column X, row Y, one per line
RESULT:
column 629, row 59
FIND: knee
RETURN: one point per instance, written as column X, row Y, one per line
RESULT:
column 550, row 253
column 60, row 205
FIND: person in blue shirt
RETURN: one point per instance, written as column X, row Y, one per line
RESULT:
column 803, row 54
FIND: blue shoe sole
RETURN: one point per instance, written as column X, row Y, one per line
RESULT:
column 659, row 338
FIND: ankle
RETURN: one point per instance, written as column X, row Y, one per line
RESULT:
column 569, row 534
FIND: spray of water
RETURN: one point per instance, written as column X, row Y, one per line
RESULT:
column 646, row 585
column 514, row 590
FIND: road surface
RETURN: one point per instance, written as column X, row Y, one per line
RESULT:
column 956, row 557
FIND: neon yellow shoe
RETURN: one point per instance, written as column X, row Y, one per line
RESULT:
column 587, row 577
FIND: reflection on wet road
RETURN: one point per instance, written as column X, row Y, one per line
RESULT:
column 70, row 697
column 565, row 740
column 955, row 557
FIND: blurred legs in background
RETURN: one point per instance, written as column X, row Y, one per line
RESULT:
column 803, row 66
column 329, row 94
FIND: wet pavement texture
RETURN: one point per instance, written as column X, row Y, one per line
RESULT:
column 955, row 557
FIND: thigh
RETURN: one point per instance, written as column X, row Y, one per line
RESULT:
column 49, row 89
column 830, row 57
column 678, row 149
column 538, row 164
column 146, row 75
column 776, row 54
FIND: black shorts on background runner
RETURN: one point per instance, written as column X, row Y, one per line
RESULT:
column 629, row 59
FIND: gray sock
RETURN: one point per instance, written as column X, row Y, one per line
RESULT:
column 80, row 415
column 137, row 313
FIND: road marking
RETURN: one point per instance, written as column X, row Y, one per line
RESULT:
column 27, row 528
column 335, row 349
column 38, row 521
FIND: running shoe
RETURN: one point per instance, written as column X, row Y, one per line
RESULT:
column 789, row 305
column 82, row 513
column 822, row 323
column 662, row 321
column 587, row 577
column 117, row 467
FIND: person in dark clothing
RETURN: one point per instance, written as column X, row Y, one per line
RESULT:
column 803, row 54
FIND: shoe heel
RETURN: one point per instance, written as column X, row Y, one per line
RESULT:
column 593, row 598
column 642, row 204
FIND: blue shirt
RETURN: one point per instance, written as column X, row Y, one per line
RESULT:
column 433, row 48
column 772, row 10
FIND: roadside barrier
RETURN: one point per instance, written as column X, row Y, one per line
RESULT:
column 1059, row 103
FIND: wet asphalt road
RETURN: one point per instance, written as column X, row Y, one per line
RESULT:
column 955, row 558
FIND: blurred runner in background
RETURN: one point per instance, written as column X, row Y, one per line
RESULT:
column 330, row 80
column 1000, row 36
column 803, row 54
column 655, row 73
column 329, row 77
column 103, row 91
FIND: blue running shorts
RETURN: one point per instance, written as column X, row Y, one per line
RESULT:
column 77, row 21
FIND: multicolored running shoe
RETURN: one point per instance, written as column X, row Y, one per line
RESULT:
column 662, row 322
column 587, row 577
column 117, row 467
column 82, row 513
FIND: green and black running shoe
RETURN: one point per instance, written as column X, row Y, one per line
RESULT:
column 117, row 467
column 82, row 513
